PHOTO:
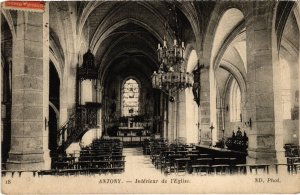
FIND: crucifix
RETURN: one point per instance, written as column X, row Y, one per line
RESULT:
column 211, row 129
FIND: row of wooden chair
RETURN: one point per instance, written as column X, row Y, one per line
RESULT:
column 90, row 162
column 99, row 153
column 188, row 159
column 65, row 172
column 100, row 156
column 195, row 163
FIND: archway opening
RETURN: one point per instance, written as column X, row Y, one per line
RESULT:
column 6, row 86
column 288, row 74
column 53, row 128
column 54, row 105
column 228, row 73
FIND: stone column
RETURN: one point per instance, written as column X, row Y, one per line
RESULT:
column 213, row 107
column 297, row 14
column 164, row 114
column 29, row 134
column 45, row 28
column 181, row 113
column 63, row 108
column 191, row 117
column 299, row 83
column 278, row 109
column 99, row 100
column 260, row 92
column 171, row 119
column 204, row 111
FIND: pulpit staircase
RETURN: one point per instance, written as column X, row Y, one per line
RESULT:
column 84, row 119
column 70, row 133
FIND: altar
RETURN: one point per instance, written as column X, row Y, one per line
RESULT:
column 132, row 126
column 131, row 140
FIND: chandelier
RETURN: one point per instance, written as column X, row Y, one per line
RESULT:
column 171, row 75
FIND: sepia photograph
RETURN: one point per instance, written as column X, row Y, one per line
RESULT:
column 150, row 97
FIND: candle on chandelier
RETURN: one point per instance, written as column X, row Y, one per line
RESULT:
column 182, row 44
column 175, row 42
column 159, row 46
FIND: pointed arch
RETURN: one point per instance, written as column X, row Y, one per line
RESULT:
column 235, row 11
column 237, row 75
column 10, row 22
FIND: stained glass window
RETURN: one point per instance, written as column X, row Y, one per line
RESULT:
column 235, row 102
column 130, row 98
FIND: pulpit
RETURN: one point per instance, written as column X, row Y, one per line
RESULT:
column 87, row 109
column 87, row 114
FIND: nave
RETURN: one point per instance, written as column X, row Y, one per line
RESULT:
column 222, row 77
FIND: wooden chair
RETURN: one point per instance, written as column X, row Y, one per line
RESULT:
column 201, row 165
column 117, row 164
column 117, row 157
column 296, row 167
column 200, row 169
column 294, row 162
column 193, row 151
column 99, row 164
column 256, row 167
column 221, row 165
column 46, row 172
column 205, row 155
column 241, row 168
column 169, row 163
column 181, row 165
column 193, row 157
column 289, row 167
column 162, row 157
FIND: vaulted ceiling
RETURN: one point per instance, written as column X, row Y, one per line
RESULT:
column 124, row 35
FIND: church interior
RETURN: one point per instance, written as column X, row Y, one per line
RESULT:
column 194, row 86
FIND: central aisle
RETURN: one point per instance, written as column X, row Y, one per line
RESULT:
column 138, row 164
